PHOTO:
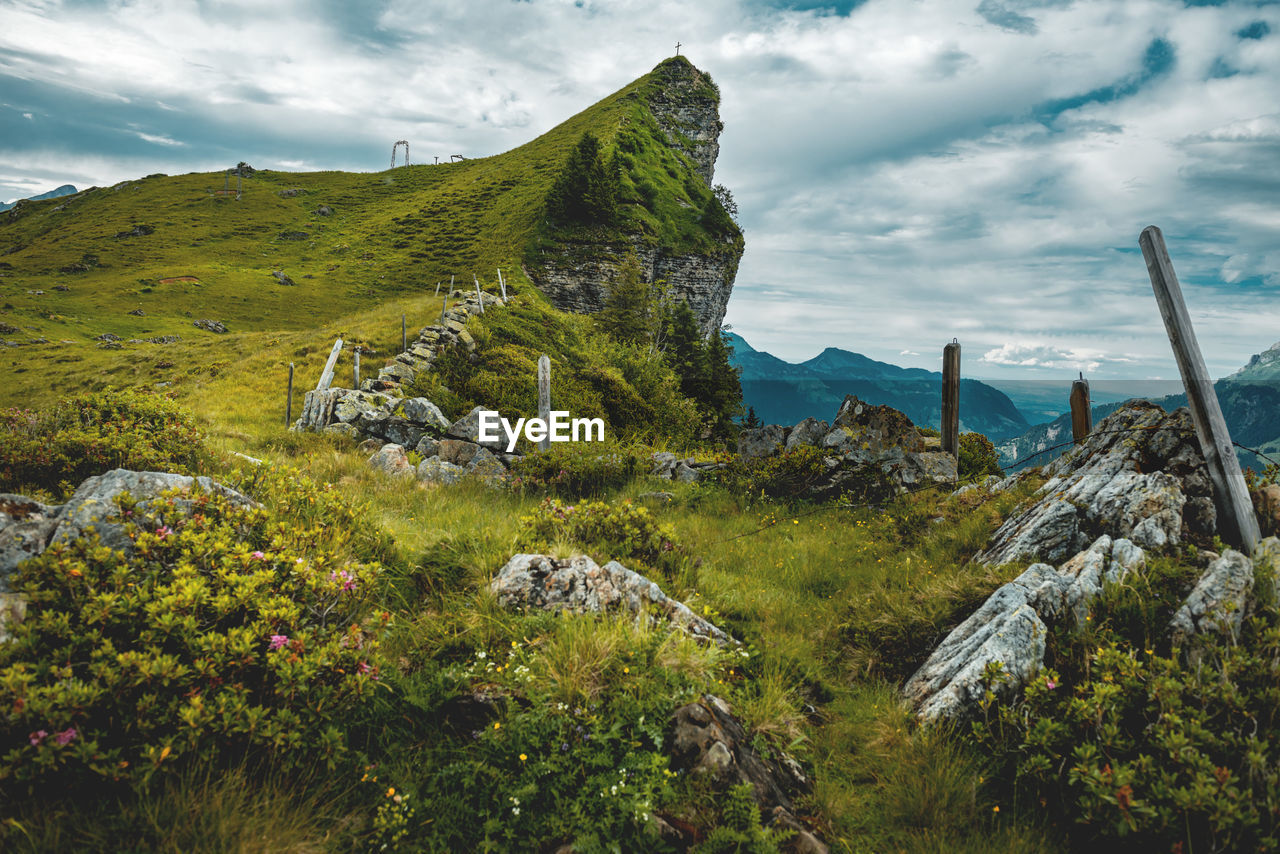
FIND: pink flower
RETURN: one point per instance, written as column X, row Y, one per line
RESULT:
column 277, row 641
column 37, row 737
column 1050, row 684
column 258, row 556
column 64, row 738
column 348, row 580
column 163, row 531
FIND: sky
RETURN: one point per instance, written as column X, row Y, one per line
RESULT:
column 907, row 171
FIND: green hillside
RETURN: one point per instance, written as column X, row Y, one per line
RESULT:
column 74, row 268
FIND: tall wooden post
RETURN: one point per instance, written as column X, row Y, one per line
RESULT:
column 544, row 396
column 404, row 335
column 1235, row 511
column 951, row 398
column 437, row 289
column 355, row 369
column 503, row 285
column 444, row 306
column 479, row 295
column 327, row 377
column 1081, row 413
column 288, row 399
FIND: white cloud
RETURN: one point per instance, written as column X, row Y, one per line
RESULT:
column 903, row 173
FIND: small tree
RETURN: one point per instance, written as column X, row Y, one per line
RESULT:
column 630, row 309
column 586, row 190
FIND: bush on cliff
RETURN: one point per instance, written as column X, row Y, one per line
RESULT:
column 977, row 457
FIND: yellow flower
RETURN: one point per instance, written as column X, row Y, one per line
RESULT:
column 391, row 792
column 523, row 757
column 996, row 808
column 626, row 670
column 497, row 725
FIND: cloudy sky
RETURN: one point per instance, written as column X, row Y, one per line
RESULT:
column 907, row 172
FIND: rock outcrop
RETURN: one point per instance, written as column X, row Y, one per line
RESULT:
column 576, row 274
column 581, row 586
column 863, row 441
column 706, row 738
column 1009, row 630
column 1139, row 475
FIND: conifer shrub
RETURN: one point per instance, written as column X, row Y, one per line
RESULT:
column 51, row 451
column 790, row 474
column 228, row 631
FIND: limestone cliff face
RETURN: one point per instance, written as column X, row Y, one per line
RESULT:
column 688, row 111
column 577, row 269
column 577, row 278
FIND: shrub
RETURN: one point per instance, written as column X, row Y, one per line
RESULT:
column 51, row 451
column 1130, row 741
column 228, row 629
column 623, row 531
column 577, row 469
column 791, row 474
column 977, row 457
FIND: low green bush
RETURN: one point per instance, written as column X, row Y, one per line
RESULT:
column 623, row 531
column 790, row 474
column 226, row 630
column 48, row 452
column 977, row 457
column 577, row 469
column 1143, row 746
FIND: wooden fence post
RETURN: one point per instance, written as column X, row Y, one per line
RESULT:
column 1081, row 413
column 479, row 295
column 404, row 335
column 502, row 284
column 327, row 377
column 951, row 398
column 437, row 289
column 1235, row 511
column 544, row 396
column 288, row 399
column 356, row 369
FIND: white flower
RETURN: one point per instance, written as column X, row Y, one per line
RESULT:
column 515, row 810
column 480, row 654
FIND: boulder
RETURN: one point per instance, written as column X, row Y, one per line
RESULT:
column 281, row 278
column 25, row 528
column 93, row 504
column 427, row 447
column 391, row 459
column 401, row 431
column 685, row 473
column 664, row 464
column 580, row 586
column 1266, row 504
column 340, row 429
column 425, row 414
column 210, row 325
column 468, row 428
column 1138, row 476
column 761, row 441
column 704, row 737
column 437, row 471
column 458, row 451
column 810, row 431
column 1009, row 629
column 352, row 404
column 486, row 466
column 877, row 428
column 1220, row 601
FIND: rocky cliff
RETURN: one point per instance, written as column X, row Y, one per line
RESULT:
column 671, row 221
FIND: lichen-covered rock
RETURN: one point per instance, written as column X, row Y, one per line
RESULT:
column 876, row 429
column 704, row 737
column 401, row 431
column 93, row 504
column 810, row 431
column 664, row 464
column 436, row 471
column 427, row 447
column 25, row 528
column 1220, row 601
column 460, row 452
column 391, row 459
column 1138, row 476
column 426, row 414
column 352, row 403
column 1009, row 630
column 761, row 441
column 347, row 430
column 486, row 466
column 581, row 586
column 468, row 428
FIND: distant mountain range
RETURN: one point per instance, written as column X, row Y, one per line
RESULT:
column 785, row 393
column 64, row 190
column 1250, row 400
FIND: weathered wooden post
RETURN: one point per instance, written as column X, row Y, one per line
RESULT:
column 1235, row 511
column 355, row 369
column 404, row 335
column 951, row 398
column 444, row 306
column 288, row 399
column 437, row 289
column 327, row 377
column 544, row 396
column 479, row 295
column 502, row 284
column 1081, row 413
